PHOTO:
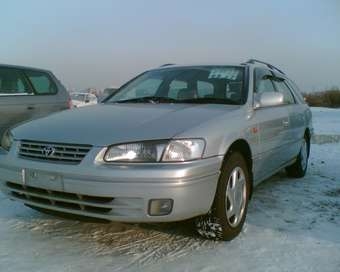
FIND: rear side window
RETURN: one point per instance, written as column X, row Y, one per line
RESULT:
column 41, row 82
column 13, row 82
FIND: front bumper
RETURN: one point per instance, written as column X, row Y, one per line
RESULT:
column 116, row 192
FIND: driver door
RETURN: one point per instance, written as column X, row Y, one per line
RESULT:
column 273, row 129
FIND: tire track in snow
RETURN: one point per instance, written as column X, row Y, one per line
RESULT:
column 143, row 245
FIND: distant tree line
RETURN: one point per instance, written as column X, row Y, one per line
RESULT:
column 327, row 98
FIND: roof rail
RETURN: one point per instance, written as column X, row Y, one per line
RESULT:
column 167, row 64
column 265, row 63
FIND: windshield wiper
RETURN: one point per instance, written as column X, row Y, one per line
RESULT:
column 148, row 99
column 209, row 100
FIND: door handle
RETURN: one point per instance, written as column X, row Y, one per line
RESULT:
column 285, row 123
column 30, row 107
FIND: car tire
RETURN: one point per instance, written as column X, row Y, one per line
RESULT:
column 299, row 168
column 228, row 213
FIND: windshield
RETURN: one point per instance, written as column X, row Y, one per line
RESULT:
column 199, row 84
column 78, row 97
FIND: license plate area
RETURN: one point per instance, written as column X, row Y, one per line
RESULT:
column 44, row 180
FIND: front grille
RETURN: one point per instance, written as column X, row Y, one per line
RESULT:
column 56, row 152
column 70, row 201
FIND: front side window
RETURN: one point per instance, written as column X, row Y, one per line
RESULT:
column 13, row 82
column 263, row 81
column 41, row 82
column 198, row 84
column 283, row 88
column 296, row 90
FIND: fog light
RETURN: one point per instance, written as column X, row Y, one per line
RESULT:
column 160, row 206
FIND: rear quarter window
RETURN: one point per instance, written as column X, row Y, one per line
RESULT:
column 41, row 82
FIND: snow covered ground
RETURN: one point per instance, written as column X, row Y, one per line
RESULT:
column 327, row 125
column 292, row 225
column 326, row 121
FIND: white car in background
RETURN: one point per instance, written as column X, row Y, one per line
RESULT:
column 83, row 99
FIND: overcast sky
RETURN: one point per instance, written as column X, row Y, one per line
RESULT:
column 103, row 43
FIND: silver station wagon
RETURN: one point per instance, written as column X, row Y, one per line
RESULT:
column 28, row 93
column 174, row 143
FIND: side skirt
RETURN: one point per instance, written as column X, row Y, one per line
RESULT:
column 282, row 166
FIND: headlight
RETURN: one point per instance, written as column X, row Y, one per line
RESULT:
column 156, row 151
column 136, row 152
column 184, row 150
column 7, row 140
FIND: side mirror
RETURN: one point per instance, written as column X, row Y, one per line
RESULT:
column 268, row 99
column 87, row 101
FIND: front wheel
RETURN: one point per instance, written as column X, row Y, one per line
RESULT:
column 228, row 213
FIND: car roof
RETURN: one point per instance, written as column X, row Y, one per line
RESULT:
column 249, row 63
column 167, row 66
column 2, row 65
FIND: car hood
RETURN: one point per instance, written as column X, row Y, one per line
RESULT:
column 107, row 124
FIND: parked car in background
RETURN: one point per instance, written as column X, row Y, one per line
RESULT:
column 175, row 143
column 28, row 93
column 83, row 99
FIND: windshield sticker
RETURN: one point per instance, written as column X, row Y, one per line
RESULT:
column 224, row 73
